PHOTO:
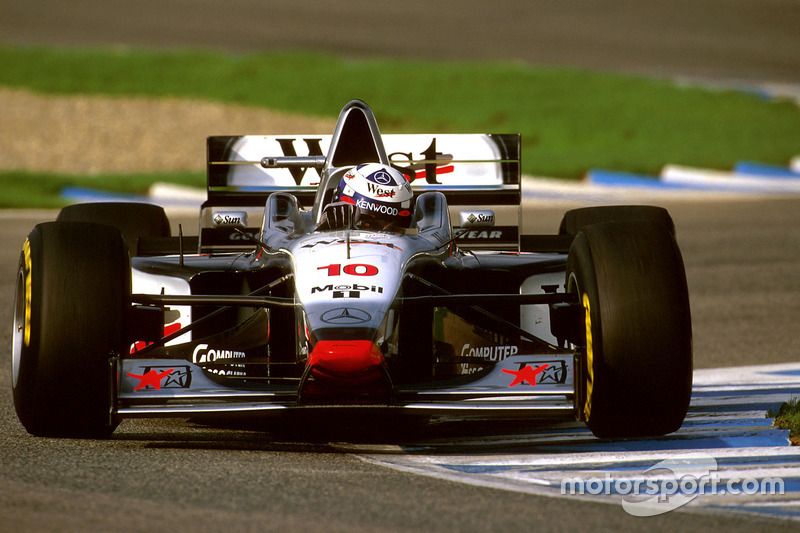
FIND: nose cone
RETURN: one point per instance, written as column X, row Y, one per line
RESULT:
column 348, row 371
column 350, row 362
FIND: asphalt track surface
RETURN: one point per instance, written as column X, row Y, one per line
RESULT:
column 742, row 260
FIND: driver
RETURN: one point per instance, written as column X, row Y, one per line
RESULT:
column 381, row 195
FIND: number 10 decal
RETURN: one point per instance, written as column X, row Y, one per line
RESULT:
column 358, row 269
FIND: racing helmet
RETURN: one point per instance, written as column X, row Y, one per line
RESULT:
column 381, row 195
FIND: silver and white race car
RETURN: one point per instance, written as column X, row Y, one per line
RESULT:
column 291, row 299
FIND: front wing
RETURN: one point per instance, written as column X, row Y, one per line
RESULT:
column 530, row 386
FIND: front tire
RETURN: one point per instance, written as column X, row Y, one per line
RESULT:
column 133, row 220
column 637, row 375
column 72, row 302
column 575, row 220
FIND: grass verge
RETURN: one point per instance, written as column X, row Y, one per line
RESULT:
column 570, row 120
column 19, row 189
column 788, row 417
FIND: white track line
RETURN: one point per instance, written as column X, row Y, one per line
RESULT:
column 726, row 424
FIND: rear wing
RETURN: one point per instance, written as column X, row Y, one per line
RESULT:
column 474, row 171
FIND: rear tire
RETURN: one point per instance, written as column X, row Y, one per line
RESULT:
column 72, row 302
column 134, row 220
column 576, row 219
column 637, row 374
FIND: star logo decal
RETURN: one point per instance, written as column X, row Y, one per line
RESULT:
column 526, row 374
column 150, row 379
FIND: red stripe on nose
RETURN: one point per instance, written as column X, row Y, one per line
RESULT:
column 351, row 361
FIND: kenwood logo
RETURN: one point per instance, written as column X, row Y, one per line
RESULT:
column 378, row 208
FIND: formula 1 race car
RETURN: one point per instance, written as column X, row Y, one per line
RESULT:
column 353, row 290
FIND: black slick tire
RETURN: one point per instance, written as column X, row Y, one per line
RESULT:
column 134, row 220
column 576, row 219
column 72, row 302
column 637, row 372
